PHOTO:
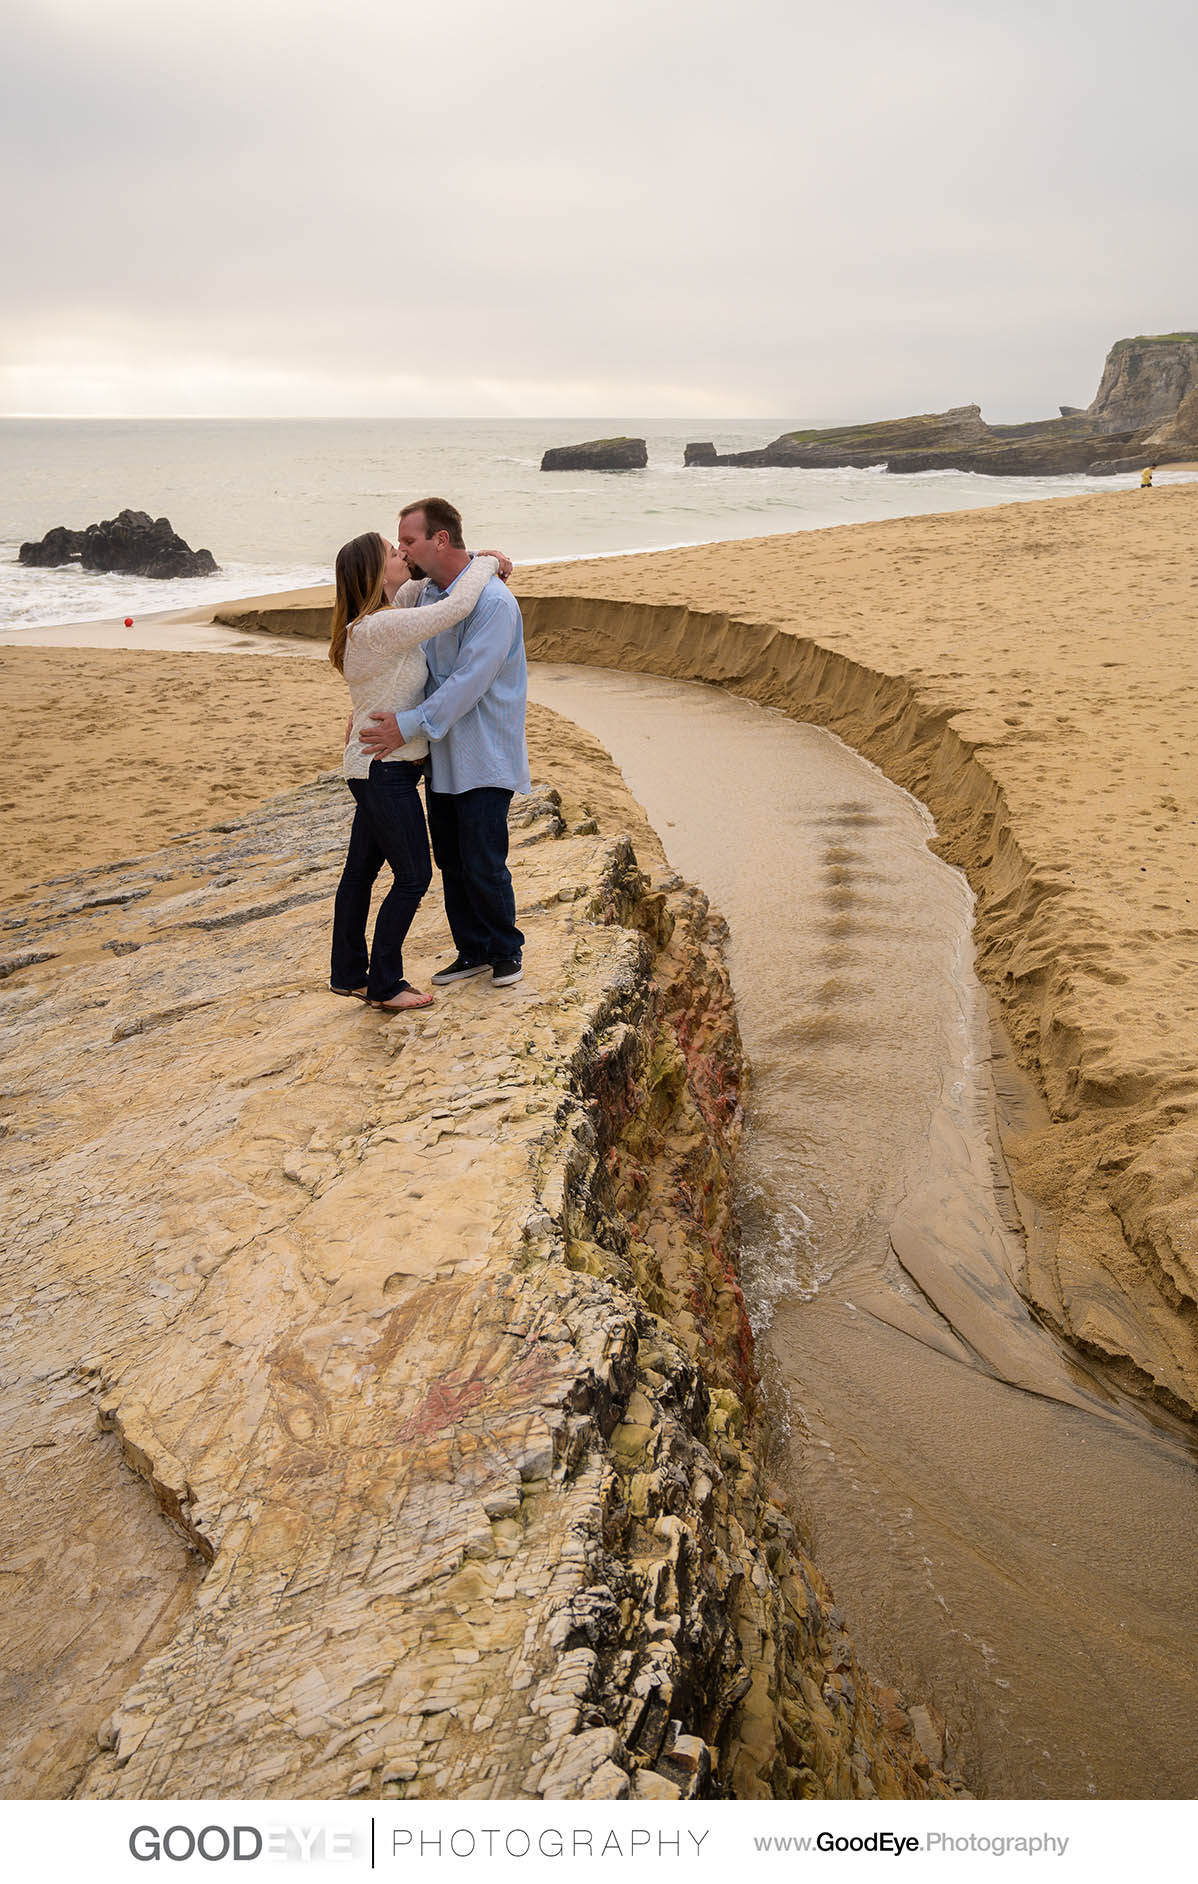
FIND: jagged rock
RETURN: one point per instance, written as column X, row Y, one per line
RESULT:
column 1175, row 441
column 1071, row 412
column 130, row 544
column 380, row 1448
column 1144, row 381
column 700, row 454
column 59, row 545
column 598, row 454
column 1178, row 434
column 135, row 544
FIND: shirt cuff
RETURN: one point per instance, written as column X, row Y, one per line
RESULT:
column 411, row 724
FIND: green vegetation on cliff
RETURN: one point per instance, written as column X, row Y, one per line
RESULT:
column 1152, row 340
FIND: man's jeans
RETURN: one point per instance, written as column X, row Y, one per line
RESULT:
column 469, row 833
column 388, row 828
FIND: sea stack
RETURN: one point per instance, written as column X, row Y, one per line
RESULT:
column 130, row 544
column 598, row 454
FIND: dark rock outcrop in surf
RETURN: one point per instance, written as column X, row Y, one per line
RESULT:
column 598, row 454
column 130, row 544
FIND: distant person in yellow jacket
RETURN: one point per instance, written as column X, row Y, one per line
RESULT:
column 1146, row 477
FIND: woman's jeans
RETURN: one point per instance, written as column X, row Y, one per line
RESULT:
column 388, row 828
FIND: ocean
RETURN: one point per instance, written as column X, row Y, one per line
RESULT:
column 273, row 499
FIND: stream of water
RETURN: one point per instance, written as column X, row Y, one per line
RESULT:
column 1009, row 1537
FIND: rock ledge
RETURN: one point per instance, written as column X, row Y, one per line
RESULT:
column 423, row 1337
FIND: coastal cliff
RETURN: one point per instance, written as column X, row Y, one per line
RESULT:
column 1179, row 432
column 384, row 1403
column 1144, row 383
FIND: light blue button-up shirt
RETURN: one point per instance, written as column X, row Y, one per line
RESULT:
column 476, row 695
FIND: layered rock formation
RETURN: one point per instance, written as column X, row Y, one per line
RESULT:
column 58, row 546
column 957, row 440
column 379, row 1388
column 130, row 544
column 598, row 454
column 1144, row 383
column 1175, row 441
column 960, row 429
column 1181, row 430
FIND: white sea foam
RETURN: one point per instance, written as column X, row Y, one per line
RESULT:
column 34, row 598
column 780, row 1255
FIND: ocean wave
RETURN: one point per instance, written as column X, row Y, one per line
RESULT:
column 298, row 490
column 39, row 598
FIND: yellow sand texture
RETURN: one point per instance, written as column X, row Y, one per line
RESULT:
column 108, row 754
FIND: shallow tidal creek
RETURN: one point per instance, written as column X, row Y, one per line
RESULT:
column 1010, row 1538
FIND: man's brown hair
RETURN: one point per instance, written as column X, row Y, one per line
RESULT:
column 439, row 514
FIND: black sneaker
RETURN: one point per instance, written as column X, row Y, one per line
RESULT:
column 458, row 971
column 504, row 973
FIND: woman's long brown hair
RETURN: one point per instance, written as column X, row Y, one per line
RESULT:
column 360, row 567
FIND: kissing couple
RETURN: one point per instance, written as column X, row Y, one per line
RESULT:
column 431, row 644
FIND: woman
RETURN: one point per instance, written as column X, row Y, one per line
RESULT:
column 375, row 644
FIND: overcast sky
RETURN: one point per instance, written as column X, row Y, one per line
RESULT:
column 694, row 207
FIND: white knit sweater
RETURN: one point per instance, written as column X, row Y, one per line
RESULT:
column 385, row 667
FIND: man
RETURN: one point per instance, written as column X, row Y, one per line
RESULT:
column 473, row 716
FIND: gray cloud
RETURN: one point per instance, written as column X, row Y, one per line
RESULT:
column 654, row 206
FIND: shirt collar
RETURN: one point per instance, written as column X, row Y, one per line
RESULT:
column 435, row 587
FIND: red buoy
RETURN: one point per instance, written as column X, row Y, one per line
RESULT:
column 128, row 621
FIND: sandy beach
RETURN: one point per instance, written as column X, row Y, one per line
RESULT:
column 134, row 748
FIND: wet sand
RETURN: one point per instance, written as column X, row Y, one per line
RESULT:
column 954, row 1465
column 192, row 630
column 1031, row 673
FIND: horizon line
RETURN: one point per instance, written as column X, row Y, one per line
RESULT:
column 377, row 417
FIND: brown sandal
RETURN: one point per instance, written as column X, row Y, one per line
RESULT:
column 352, row 994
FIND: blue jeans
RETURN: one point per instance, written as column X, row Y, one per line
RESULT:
column 469, row 833
column 388, row 828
